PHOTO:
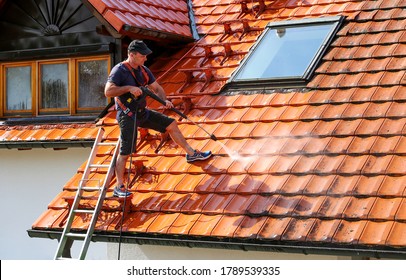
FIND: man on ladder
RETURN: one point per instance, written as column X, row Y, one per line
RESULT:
column 124, row 84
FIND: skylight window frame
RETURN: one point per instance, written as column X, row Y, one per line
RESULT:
column 292, row 81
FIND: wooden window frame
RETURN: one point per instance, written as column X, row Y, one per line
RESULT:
column 73, row 87
column 3, row 89
column 53, row 111
column 75, row 97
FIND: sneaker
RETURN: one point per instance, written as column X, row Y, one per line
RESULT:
column 121, row 192
column 198, row 156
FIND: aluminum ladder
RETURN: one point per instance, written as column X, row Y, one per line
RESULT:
column 68, row 237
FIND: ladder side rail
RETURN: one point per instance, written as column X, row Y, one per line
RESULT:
column 99, row 203
column 92, row 155
column 76, row 201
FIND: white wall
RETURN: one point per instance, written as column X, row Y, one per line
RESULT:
column 152, row 252
column 30, row 179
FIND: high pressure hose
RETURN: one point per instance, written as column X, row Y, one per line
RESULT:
column 134, row 139
column 149, row 93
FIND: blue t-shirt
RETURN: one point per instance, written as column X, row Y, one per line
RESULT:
column 120, row 75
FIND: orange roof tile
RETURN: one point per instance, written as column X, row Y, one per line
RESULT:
column 50, row 135
column 164, row 17
column 320, row 165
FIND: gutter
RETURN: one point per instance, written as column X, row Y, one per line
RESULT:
column 27, row 145
column 49, row 120
column 379, row 252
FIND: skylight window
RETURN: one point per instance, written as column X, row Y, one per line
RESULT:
column 287, row 52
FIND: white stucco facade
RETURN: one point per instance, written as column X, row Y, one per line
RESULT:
column 30, row 179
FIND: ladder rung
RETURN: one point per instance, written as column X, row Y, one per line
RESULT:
column 76, row 235
column 107, row 144
column 86, row 211
column 99, row 165
column 92, row 189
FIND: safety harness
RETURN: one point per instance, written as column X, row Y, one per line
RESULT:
column 124, row 107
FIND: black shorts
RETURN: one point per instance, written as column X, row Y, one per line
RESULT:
column 148, row 119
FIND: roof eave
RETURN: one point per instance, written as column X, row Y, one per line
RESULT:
column 379, row 252
column 57, row 145
column 155, row 35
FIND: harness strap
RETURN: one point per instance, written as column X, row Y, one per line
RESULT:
column 143, row 71
column 123, row 107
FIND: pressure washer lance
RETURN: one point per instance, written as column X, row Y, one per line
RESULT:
column 148, row 92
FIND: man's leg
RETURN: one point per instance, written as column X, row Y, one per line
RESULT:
column 120, row 168
column 178, row 137
column 120, row 190
column 126, row 128
column 162, row 123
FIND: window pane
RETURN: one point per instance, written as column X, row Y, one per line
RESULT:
column 54, row 86
column 285, row 52
column 92, row 76
column 18, row 88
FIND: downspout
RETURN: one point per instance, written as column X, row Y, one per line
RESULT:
column 192, row 21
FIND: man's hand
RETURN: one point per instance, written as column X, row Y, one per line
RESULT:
column 168, row 104
column 135, row 91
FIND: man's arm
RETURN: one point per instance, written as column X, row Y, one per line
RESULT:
column 158, row 90
column 111, row 90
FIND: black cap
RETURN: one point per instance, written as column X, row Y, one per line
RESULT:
column 139, row 46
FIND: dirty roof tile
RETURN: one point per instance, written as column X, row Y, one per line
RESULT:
column 308, row 206
column 376, row 232
column 304, row 165
column 401, row 214
column 226, row 226
column 318, row 184
column 368, row 185
column 359, row 208
column 273, row 228
column 322, row 230
column 316, row 145
column 349, row 231
column 384, row 208
column 284, row 205
column 293, row 145
column 353, row 164
column 342, row 185
column 298, row 229
column 397, row 235
column 369, row 127
column 250, row 227
column 392, row 186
